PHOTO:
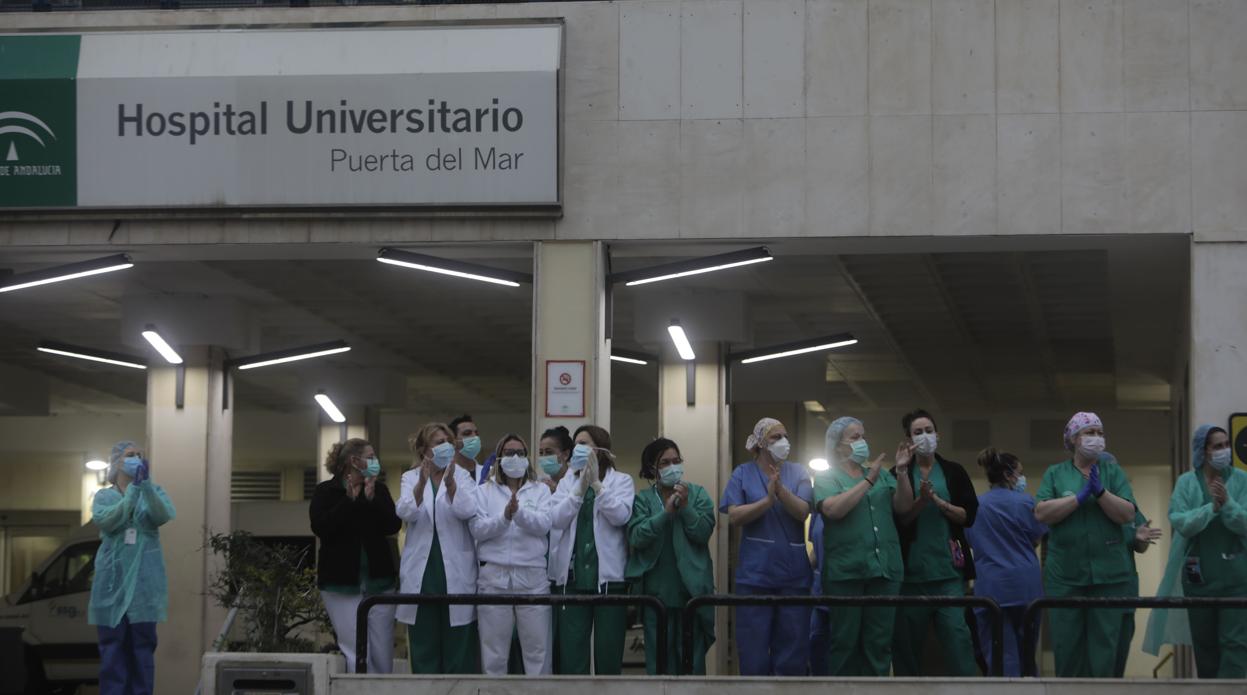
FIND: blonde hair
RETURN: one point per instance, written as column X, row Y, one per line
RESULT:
column 419, row 442
column 335, row 460
column 496, row 473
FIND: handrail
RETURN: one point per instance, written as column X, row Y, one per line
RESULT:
column 1167, row 659
column 690, row 613
column 361, row 614
column 1032, row 610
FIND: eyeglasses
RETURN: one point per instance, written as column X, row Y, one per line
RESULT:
column 514, row 452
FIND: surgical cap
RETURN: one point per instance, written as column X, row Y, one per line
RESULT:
column 835, row 431
column 1078, row 423
column 1199, row 444
column 760, row 430
column 114, row 458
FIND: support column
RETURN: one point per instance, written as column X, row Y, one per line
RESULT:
column 569, row 323
column 190, row 448
column 1218, row 343
column 701, row 430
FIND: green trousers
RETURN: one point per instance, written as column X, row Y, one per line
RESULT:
column 1220, row 641
column 912, row 626
column 675, row 644
column 601, row 628
column 861, row 638
column 1124, row 642
column 1085, row 641
column 434, row 647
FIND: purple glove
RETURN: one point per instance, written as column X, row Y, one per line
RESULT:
column 1097, row 487
column 1085, row 493
column 141, row 473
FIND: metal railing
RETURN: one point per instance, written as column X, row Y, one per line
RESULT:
column 997, row 667
column 1090, row 602
column 361, row 614
column 77, row 5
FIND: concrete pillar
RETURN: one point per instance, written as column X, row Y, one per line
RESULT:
column 1218, row 333
column 569, row 323
column 701, row 430
column 190, row 451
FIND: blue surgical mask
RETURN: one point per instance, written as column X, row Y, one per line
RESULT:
column 1019, row 485
column 471, row 447
column 580, row 457
column 1221, row 459
column 861, row 452
column 131, row 465
column 443, row 454
column 373, row 468
column 671, row 475
column 550, row 465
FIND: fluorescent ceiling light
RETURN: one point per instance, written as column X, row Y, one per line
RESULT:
column 798, row 348
column 628, row 360
column 96, row 465
column 819, row 464
column 459, row 269
column 90, row 354
column 171, row 356
column 70, row 271
column 696, row 266
column 815, row 407
column 682, row 345
column 330, row 409
column 292, row 355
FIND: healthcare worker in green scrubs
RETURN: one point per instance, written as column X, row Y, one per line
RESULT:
column 589, row 552
column 669, row 535
column 1208, row 512
column 937, row 556
column 1085, row 502
column 861, row 549
column 437, row 502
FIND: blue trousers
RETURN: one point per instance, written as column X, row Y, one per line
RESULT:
column 1013, row 637
column 773, row 640
column 127, row 658
column 820, row 642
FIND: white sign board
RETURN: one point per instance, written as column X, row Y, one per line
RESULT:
column 565, row 388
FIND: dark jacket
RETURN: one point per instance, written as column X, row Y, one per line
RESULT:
column 961, row 490
column 344, row 525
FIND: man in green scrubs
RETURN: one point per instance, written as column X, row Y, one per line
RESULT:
column 1085, row 502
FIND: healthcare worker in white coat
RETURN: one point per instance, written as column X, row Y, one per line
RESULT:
column 512, row 530
column 437, row 501
column 589, row 552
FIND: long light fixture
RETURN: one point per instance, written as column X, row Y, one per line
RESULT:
column 292, row 355
column 682, row 345
column 91, row 354
column 459, row 269
column 798, row 348
column 696, row 266
column 166, row 351
column 630, row 357
column 327, row 405
column 96, row 465
column 70, row 271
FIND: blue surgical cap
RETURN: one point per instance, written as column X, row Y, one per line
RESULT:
column 836, row 430
column 1199, row 442
column 119, row 449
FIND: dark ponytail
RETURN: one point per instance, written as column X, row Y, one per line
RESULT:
column 560, row 435
column 998, row 465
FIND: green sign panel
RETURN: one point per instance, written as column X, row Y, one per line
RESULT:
column 38, row 121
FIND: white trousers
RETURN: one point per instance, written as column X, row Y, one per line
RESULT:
column 497, row 623
column 341, row 609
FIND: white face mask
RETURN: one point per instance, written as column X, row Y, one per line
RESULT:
column 926, row 443
column 1221, row 459
column 780, row 448
column 1091, row 447
column 515, row 466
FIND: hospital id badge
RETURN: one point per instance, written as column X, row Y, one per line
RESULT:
column 132, row 536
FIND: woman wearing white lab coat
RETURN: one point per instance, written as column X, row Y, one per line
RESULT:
column 437, row 502
column 589, row 552
column 512, row 528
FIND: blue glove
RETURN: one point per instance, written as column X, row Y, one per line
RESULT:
column 141, row 473
column 1084, row 494
column 1097, row 487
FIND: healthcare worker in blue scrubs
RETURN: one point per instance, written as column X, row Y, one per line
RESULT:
column 1004, row 537
column 769, row 500
column 130, row 592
